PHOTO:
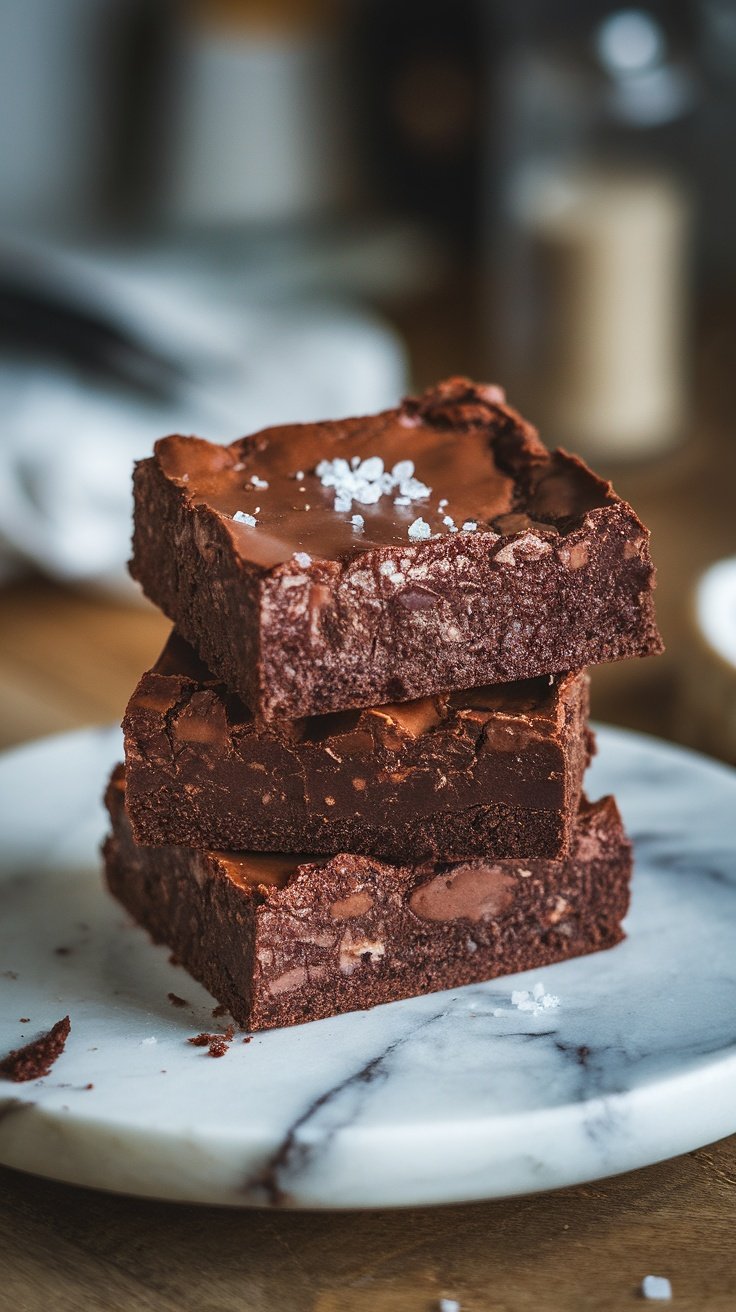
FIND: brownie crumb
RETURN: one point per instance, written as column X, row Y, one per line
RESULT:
column 219, row 1010
column 62, row 952
column 200, row 1040
column 247, row 1038
column 218, row 1044
column 36, row 1058
column 10, row 974
column 24, row 1020
column 88, row 1086
column 173, row 959
column 176, row 1001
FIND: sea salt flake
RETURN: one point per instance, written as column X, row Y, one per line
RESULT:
column 257, row 482
column 299, row 475
column 398, row 577
column 448, row 521
column 657, row 1288
column 402, row 469
column 358, row 523
column 402, row 501
column 536, row 1001
column 371, row 469
column 240, row 517
column 366, row 481
column 412, row 488
column 387, row 567
column 302, row 558
column 448, row 1305
column 469, row 526
column 441, row 504
column 419, row 530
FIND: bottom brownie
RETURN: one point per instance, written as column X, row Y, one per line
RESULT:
column 281, row 940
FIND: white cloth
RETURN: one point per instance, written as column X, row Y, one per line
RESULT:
column 68, row 443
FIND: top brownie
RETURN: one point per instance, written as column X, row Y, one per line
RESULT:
column 438, row 546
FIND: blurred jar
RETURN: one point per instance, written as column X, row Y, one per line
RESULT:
column 590, row 260
column 258, row 128
column 59, row 71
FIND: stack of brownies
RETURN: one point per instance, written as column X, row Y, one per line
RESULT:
column 381, row 632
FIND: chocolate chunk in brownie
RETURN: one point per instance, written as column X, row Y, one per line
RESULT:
column 280, row 940
column 494, row 771
column 438, row 546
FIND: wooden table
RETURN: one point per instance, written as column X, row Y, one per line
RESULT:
column 68, row 659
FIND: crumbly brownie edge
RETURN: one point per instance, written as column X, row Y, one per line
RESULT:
column 363, row 933
column 161, row 815
column 490, row 613
column 182, row 557
column 344, row 638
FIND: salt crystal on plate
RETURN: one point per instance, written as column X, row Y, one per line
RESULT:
column 536, row 1001
column 240, row 517
column 419, row 529
column 657, row 1288
column 148, row 1041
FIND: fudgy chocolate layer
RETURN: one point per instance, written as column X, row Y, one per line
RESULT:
column 283, row 940
column 304, row 613
column 493, row 771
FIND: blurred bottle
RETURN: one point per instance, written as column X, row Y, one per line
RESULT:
column 60, row 81
column 590, row 266
column 259, row 119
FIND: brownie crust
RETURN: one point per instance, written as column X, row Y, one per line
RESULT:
column 489, row 772
column 280, row 941
column 302, row 615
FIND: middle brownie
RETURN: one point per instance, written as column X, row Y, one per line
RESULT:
column 493, row 772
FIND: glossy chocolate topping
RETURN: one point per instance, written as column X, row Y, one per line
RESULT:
column 475, row 454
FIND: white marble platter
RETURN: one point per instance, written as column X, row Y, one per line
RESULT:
column 427, row 1101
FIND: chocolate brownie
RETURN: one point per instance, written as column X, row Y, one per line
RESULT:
column 280, row 940
column 322, row 567
column 490, row 772
column 36, row 1058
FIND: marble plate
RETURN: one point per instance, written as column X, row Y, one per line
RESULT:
column 427, row 1101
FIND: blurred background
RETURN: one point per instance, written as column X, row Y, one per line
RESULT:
column 222, row 214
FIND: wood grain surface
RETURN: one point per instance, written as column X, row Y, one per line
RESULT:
column 581, row 1250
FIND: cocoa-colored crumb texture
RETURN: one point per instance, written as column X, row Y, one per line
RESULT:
column 37, row 1057
column 302, row 615
column 493, row 771
column 279, row 941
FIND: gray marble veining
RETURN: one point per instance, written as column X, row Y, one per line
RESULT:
column 434, row 1099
